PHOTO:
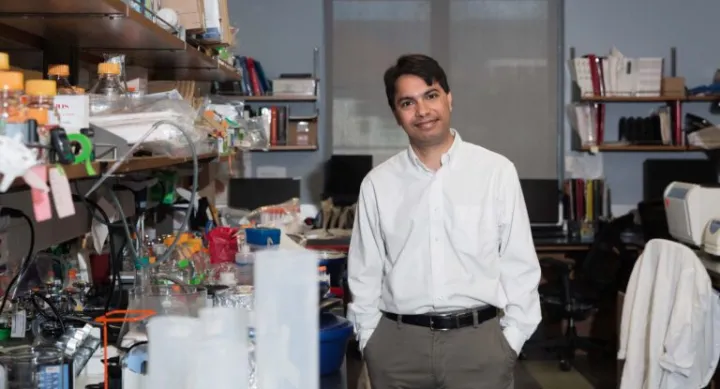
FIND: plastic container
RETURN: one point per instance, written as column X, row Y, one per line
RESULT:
column 223, row 245
column 335, row 332
column 286, row 319
column 336, row 264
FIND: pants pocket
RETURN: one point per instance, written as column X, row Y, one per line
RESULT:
column 373, row 337
column 507, row 349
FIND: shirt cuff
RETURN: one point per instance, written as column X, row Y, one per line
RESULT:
column 515, row 338
column 363, row 337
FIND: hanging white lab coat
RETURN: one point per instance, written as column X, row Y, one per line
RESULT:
column 670, row 331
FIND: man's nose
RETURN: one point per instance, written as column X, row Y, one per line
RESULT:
column 422, row 109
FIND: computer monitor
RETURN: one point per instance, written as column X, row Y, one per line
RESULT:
column 543, row 200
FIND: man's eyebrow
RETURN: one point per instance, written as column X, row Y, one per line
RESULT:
column 432, row 89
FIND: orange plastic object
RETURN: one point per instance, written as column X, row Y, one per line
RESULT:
column 119, row 316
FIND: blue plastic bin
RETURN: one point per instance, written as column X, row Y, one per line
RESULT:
column 262, row 236
column 335, row 332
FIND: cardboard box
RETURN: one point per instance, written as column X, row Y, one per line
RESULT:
column 292, row 133
column 673, row 86
column 227, row 35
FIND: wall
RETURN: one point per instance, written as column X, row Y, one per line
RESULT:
column 643, row 28
column 282, row 34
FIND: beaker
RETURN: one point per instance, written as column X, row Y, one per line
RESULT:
column 176, row 300
column 41, row 367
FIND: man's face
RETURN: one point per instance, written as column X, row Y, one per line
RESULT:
column 422, row 111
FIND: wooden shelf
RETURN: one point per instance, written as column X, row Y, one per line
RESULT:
column 269, row 98
column 140, row 164
column 647, row 99
column 288, row 148
column 640, row 148
column 109, row 26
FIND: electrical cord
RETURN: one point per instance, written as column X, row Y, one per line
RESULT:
column 127, row 350
column 85, row 201
column 92, row 207
column 25, row 264
column 126, row 226
column 53, row 309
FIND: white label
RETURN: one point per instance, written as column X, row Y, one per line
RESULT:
column 74, row 112
column 61, row 193
column 18, row 324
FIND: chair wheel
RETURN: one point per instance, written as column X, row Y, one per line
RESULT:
column 565, row 365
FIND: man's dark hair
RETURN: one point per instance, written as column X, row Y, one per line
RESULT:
column 419, row 65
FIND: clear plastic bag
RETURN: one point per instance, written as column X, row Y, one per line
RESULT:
column 285, row 216
column 137, row 126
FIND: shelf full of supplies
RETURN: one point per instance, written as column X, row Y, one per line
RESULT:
column 132, row 165
column 110, row 26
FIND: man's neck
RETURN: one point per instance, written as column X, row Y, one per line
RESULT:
column 431, row 156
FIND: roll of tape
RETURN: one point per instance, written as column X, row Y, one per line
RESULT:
column 85, row 153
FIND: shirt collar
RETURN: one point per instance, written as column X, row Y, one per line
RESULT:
column 445, row 160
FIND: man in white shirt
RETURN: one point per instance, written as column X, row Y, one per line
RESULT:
column 441, row 242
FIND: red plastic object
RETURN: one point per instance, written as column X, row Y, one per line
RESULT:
column 100, row 265
column 337, row 292
column 223, row 245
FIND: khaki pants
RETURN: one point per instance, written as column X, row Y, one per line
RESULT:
column 402, row 356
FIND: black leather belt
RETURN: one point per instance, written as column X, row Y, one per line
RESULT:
column 445, row 322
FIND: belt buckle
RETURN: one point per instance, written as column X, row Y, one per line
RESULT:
column 432, row 323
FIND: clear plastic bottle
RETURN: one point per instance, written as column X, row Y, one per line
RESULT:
column 12, row 109
column 41, row 107
column 60, row 73
column 108, row 94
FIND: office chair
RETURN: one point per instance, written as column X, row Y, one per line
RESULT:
column 578, row 291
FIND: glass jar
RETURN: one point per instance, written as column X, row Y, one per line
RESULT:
column 60, row 73
column 40, row 96
column 108, row 93
column 12, row 109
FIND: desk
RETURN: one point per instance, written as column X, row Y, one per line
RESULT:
column 543, row 245
column 573, row 245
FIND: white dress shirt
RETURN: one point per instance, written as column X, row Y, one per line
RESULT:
column 436, row 241
column 670, row 328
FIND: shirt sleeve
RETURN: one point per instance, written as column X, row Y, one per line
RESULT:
column 519, row 267
column 365, row 265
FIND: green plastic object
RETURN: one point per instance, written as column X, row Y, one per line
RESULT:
column 142, row 262
column 183, row 263
column 164, row 191
column 4, row 334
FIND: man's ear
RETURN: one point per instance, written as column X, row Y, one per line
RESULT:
column 449, row 97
